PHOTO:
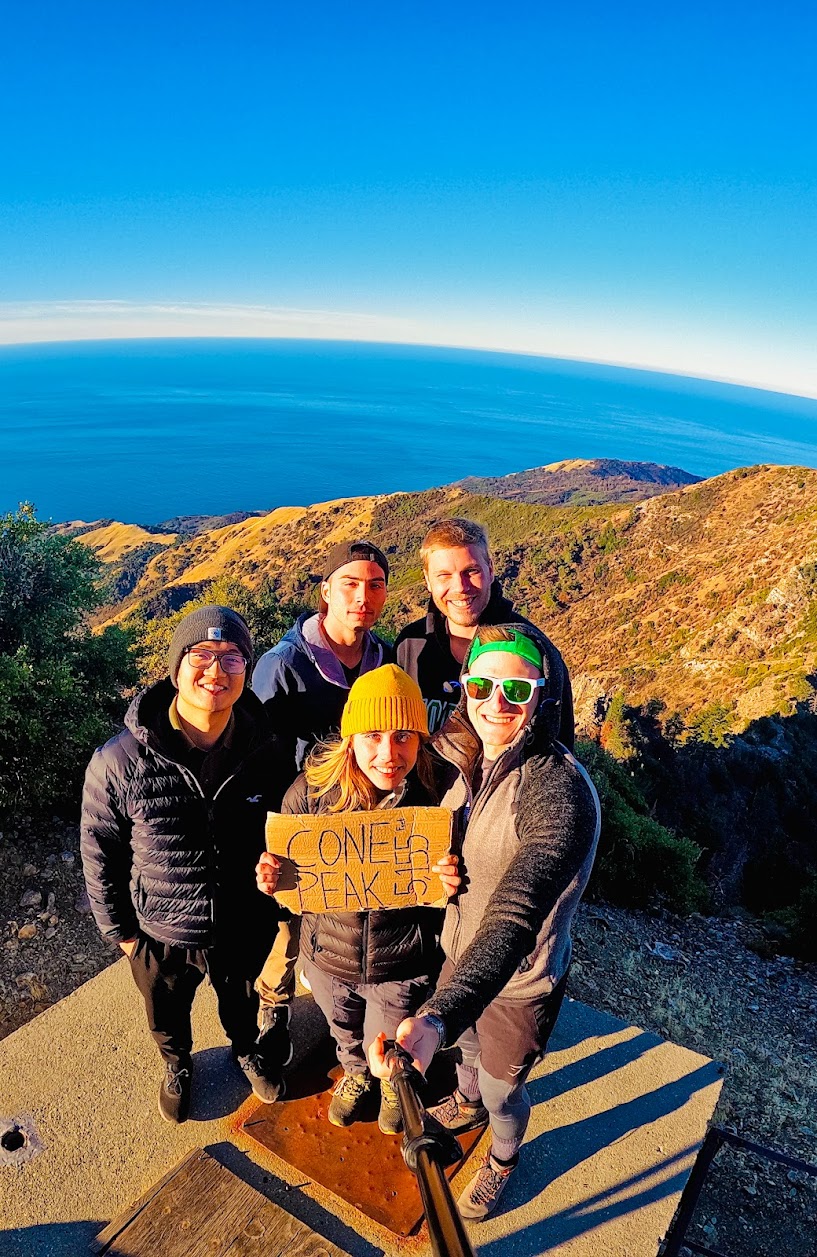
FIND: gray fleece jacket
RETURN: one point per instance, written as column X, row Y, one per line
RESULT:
column 527, row 847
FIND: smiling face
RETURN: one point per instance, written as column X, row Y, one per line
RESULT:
column 497, row 722
column 459, row 581
column 208, row 689
column 354, row 596
column 386, row 758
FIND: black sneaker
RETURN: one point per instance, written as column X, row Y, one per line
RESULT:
column 273, row 1042
column 174, row 1093
column 266, row 1083
column 348, row 1098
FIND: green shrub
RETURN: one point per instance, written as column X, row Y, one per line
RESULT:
column 268, row 616
column 797, row 922
column 639, row 862
column 61, row 686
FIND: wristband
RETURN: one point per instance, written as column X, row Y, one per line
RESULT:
column 439, row 1026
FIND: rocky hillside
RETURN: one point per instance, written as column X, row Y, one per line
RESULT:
column 582, row 482
column 706, row 595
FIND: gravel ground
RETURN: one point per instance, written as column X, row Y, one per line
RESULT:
column 711, row 984
column 714, row 985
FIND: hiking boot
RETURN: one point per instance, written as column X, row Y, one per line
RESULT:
column 348, row 1098
column 273, row 1043
column 267, row 1083
column 481, row 1195
column 457, row 1114
column 174, row 1093
column 389, row 1119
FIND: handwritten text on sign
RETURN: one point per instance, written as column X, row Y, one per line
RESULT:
column 353, row 861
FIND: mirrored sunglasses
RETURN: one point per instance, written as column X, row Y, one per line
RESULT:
column 519, row 690
column 232, row 664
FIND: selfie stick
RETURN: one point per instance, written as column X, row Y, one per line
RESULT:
column 427, row 1149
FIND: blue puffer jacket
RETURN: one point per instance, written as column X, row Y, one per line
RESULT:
column 161, row 858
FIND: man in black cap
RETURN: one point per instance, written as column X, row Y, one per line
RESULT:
column 304, row 681
column 173, row 815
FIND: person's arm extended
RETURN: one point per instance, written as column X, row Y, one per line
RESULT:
column 107, row 854
column 557, row 827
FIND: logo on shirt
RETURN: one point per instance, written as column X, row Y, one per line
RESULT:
column 253, row 798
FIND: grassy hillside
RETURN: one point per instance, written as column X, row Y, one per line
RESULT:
column 707, row 595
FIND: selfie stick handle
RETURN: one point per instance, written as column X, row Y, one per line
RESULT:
column 426, row 1156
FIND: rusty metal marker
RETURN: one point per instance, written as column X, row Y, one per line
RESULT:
column 358, row 1163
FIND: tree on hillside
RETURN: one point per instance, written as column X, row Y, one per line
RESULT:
column 61, row 686
column 267, row 615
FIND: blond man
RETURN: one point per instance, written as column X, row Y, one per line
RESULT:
column 464, row 594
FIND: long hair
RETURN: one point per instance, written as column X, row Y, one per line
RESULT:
column 331, row 765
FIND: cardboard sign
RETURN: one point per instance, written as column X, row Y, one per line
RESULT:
column 356, row 861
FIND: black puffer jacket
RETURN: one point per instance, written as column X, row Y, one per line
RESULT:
column 393, row 945
column 161, row 858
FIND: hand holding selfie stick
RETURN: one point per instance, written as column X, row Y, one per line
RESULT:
column 427, row 1149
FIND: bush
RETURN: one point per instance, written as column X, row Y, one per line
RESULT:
column 639, row 862
column 267, row 616
column 61, row 686
column 797, row 922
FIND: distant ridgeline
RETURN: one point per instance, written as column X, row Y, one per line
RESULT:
column 685, row 609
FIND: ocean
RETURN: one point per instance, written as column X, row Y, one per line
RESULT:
column 146, row 430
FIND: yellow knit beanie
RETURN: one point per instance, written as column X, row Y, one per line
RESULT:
column 383, row 700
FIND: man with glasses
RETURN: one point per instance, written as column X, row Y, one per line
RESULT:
column 464, row 594
column 173, row 816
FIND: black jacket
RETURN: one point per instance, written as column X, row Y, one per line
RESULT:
column 159, row 855
column 423, row 650
column 393, row 945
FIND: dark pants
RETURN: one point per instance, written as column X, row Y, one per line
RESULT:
column 357, row 1013
column 497, row 1054
column 169, row 977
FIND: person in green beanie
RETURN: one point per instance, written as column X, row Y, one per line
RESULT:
column 528, row 828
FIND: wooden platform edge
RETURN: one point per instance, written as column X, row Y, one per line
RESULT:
column 102, row 1242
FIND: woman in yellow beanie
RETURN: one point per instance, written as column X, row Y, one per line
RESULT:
column 368, row 970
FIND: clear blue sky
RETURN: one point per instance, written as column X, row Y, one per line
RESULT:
column 628, row 182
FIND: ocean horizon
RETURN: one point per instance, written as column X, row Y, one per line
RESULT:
column 146, row 430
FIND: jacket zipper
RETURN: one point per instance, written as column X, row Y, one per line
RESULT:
column 195, row 785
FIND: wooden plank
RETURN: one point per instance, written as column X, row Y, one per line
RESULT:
column 201, row 1207
column 272, row 1232
column 101, row 1243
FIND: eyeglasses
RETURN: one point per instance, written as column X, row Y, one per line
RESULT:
column 232, row 664
column 519, row 690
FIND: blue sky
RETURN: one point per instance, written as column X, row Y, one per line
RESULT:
column 630, row 183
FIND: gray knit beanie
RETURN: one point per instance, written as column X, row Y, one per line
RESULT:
column 208, row 624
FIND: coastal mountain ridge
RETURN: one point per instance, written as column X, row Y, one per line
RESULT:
column 702, row 597
column 582, row 482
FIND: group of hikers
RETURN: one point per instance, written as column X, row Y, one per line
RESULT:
column 471, row 711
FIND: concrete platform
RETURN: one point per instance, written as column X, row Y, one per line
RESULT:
column 618, row 1118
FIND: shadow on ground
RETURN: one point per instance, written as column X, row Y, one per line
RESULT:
column 54, row 1239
